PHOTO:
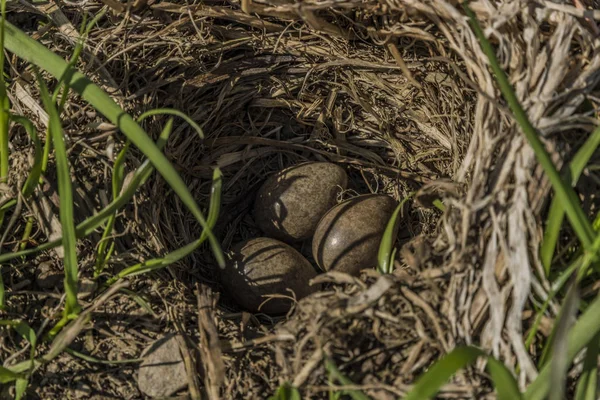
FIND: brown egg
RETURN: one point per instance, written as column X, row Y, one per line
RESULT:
column 290, row 204
column 264, row 266
column 348, row 237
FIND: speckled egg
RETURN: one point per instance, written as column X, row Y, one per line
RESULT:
column 347, row 238
column 290, row 203
column 263, row 266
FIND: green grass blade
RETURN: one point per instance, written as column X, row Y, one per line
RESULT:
column 582, row 333
column 385, row 260
column 4, row 103
column 7, row 206
column 102, row 254
column 20, row 388
column 140, row 301
column 385, row 264
column 214, row 207
column 560, row 365
column 557, row 213
column 556, row 288
column 64, row 80
column 23, row 329
column 26, row 233
column 587, row 385
column 551, row 339
column 25, row 47
column 176, row 113
column 66, row 336
column 286, row 392
column 432, row 381
column 504, row 382
column 63, row 85
column 333, row 394
column 439, row 205
column 28, row 334
column 7, row 376
column 563, row 192
column 24, row 366
column 65, row 192
column 337, row 375
column 2, row 291
column 46, row 153
column 88, row 226
column 118, row 177
column 157, row 263
column 36, row 170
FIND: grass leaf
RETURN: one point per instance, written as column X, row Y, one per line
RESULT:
column 560, row 364
column 557, row 213
column 214, row 207
column 557, row 286
column 174, row 256
column 4, row 103
column 28, row 334
column 385, row 256
column 105, row 247
column 88, row 226
column 176, row 113
column 432, row 381
column 140, row 301
column 587, row 385
column 20, row 388
column 286, row 392
column 6, row 375
column 65, row 192
column 36, row 170
column 28, row 49
column 582, row 333
column 563, row 192
column 26, row 233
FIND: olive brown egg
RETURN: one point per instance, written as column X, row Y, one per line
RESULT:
column 347, row 238
column 290, row 203
column 263, row 266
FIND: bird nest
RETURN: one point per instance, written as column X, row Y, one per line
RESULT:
column 399, row 93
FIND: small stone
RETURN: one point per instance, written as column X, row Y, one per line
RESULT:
column 162, row 372
column 47, row 277
column 87, row 287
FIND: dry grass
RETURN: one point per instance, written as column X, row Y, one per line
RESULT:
column 396, row 91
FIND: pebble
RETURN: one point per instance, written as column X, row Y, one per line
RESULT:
column 162, row 373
